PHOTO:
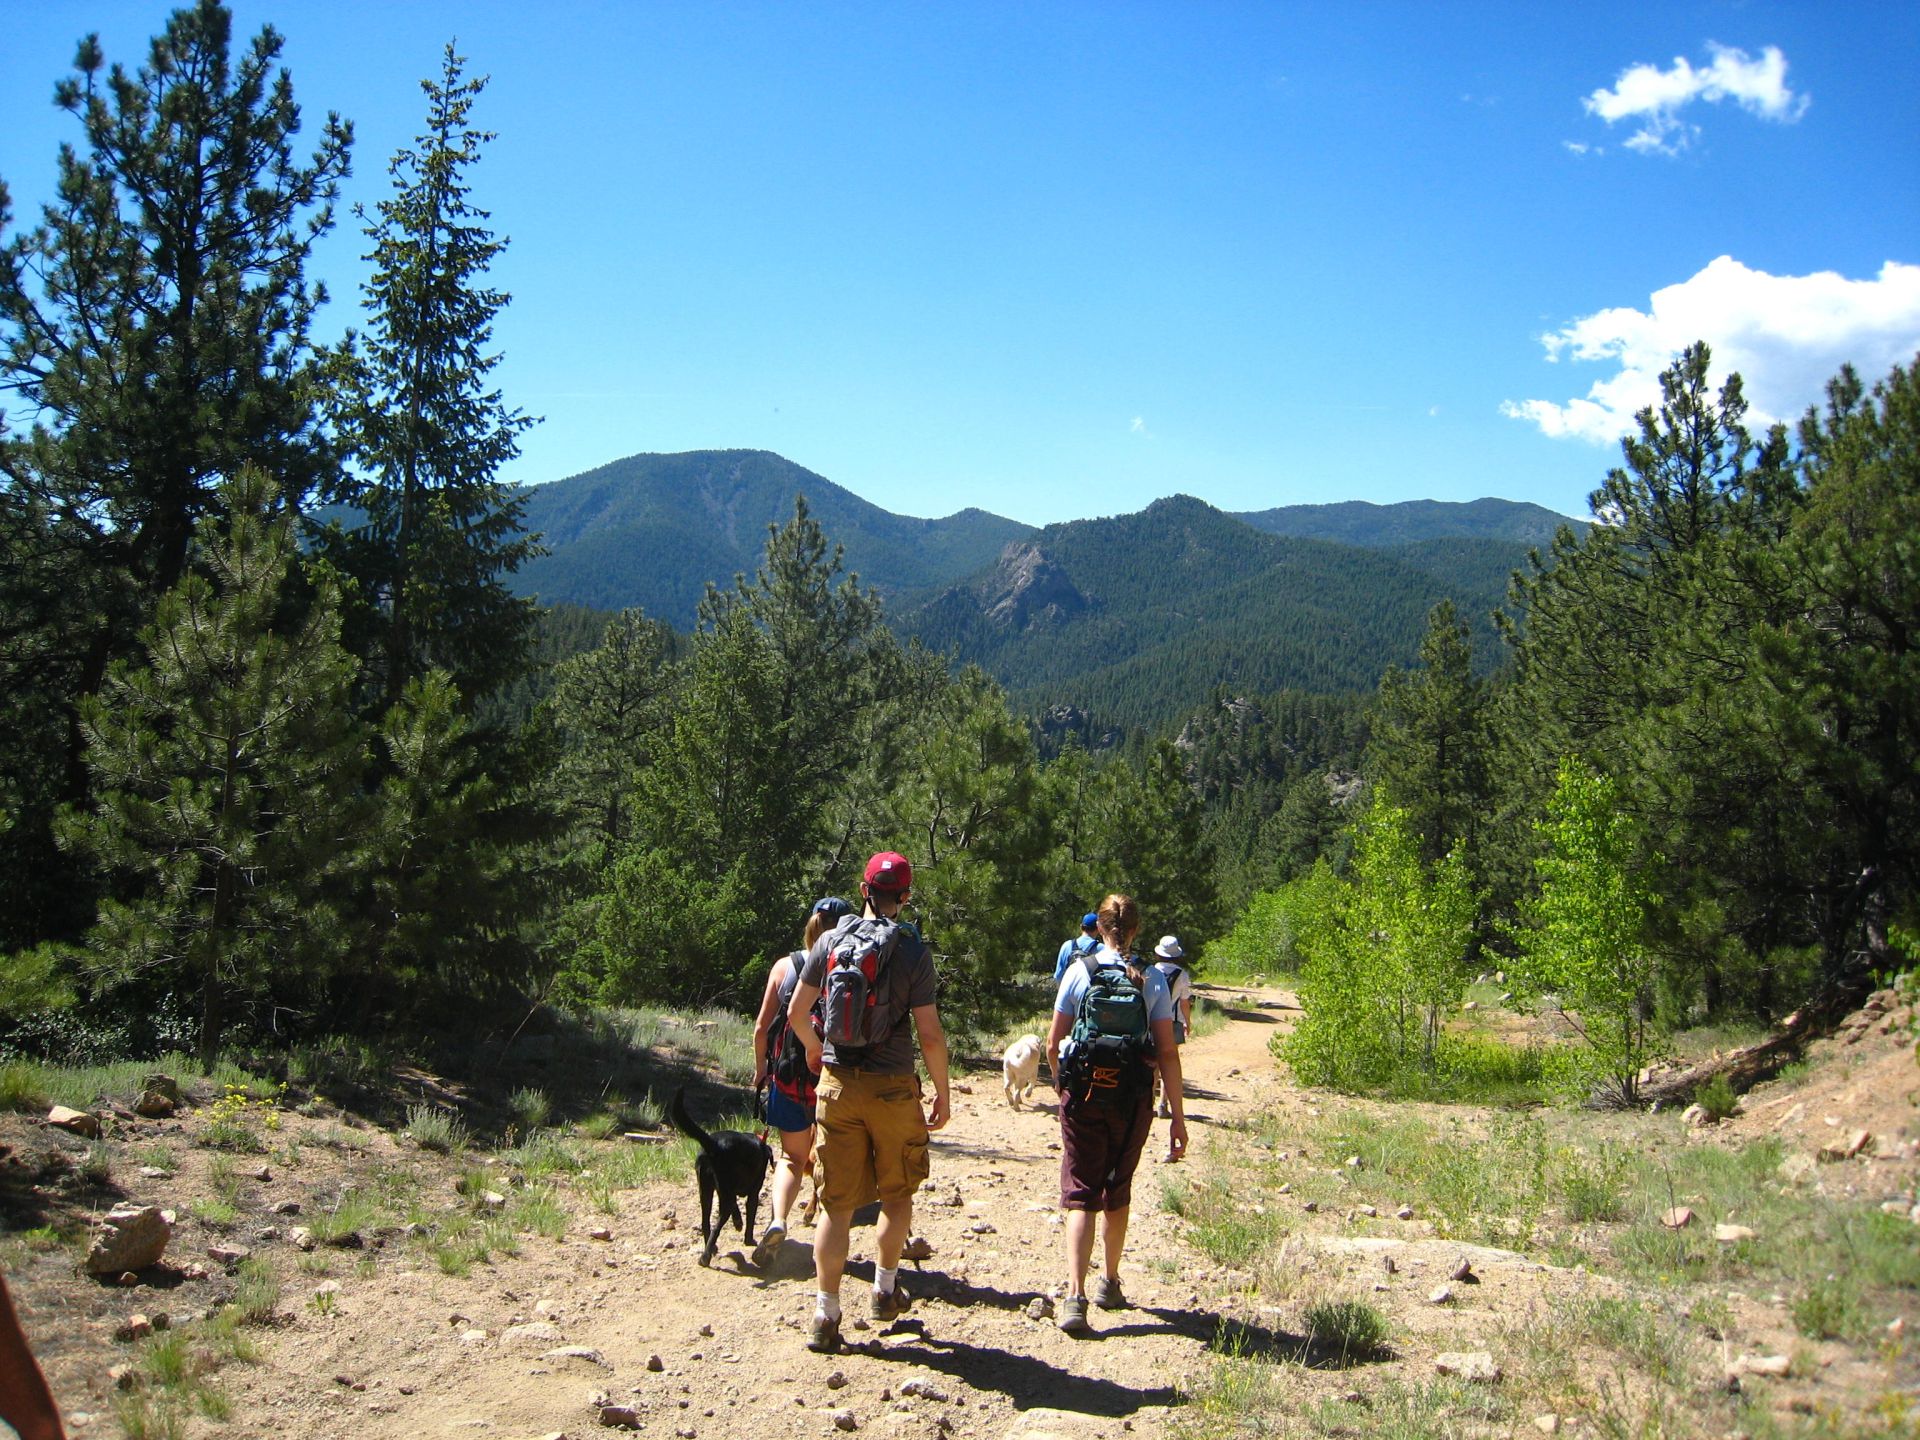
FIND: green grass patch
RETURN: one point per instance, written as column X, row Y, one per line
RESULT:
column 538, row 1209
column 1220, row 1222
column 213, row 1212
column 602, row 1125
column 256, row 1293
column 543, row 1155
column 632, row 1165
column 1828, row 1309
column 353, row 1212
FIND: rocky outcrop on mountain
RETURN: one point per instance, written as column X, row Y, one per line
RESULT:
column 1027, row 588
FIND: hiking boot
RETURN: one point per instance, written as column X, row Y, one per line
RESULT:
column 771, row 1239
column 824, row 1338
column 1073, row 1315
column 890, row 1305
column 1107, row 1295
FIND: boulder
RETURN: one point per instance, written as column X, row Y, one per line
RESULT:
column 1473, row 1366
column 130, row 1238
column 1846, row 1147
column 74, row 1122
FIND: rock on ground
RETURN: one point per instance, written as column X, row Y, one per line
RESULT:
column 131, row 1237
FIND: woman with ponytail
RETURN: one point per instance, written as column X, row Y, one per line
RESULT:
column 1105, row 1122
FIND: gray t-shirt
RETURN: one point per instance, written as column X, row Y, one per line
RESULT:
column 909, row 982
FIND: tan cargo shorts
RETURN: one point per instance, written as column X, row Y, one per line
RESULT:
column 873, row 1138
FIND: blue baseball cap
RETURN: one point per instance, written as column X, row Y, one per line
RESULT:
column 1090, row 920
column 831, row 906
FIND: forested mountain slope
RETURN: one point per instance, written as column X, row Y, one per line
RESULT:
column 1361, row 522
column 651, row 530
column 1135, row 616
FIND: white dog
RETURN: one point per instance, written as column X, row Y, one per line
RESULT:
column 1020, row 1067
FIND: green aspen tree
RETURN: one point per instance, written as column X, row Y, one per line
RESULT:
column 1582, row 940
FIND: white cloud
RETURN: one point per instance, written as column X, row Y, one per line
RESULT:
column 1580, row 147
column 1139, row 426
column 1655, row 97
column 1787, row 335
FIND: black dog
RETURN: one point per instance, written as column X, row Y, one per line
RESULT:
column 732, row 1163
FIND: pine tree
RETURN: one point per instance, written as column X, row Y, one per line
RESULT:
column 226, row 767
column 773, row 717
column 425, row 434
column 154, row 335
column 1429, row 739
column 606, row 706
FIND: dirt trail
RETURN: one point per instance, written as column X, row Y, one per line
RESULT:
column 401, row 1354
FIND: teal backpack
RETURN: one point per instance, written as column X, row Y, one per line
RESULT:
column 1104, row 1059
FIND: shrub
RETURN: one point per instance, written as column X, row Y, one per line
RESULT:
column 1827, row 1310
column 1384, row 959
column 440, row 1131
column 1717, row 1098
column 1351, row 1329
column 531, row 1109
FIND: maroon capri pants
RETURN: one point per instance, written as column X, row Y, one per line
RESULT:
column 1100, row 1148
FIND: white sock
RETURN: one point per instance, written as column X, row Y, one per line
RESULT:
column 884, row 1280
column 826, row 1306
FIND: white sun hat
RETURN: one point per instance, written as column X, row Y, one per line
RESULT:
column 1169, row 948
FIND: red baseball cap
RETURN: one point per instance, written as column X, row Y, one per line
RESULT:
column 890, row 872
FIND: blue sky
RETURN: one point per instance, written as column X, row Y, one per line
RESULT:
column 1060, row 260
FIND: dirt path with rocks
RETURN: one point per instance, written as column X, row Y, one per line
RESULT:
column 415, row 1353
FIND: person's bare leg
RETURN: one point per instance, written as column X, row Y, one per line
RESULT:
column 896, row 1223
column 1113, row 1232
column 1079, row 1250
column 830, row 1249
column 790, row 1170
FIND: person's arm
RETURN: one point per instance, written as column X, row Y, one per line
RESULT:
column 1055, row 1034
column 1168, row 1054
column 800, row 1017
column 763, row 1022
column 933, row 1050
column 25, row 1401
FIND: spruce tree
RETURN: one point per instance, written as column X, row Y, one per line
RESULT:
column 425, row 432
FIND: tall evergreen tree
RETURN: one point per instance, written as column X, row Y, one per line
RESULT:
column 425, row 433
column 1834, row 698
column 1429, row 743
column 607, row 705
column 154, row 332
column 967, row 806
column 773, row 717
column 226, row 769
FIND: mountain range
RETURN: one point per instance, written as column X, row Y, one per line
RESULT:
column 1132, row 617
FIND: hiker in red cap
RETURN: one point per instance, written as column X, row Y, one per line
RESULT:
column 873, row 976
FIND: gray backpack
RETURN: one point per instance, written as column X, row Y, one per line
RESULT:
column 854, row 992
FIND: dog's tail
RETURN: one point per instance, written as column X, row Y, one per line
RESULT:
column 677, row 1112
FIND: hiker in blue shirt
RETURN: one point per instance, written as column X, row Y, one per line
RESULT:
column 1085, row 943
